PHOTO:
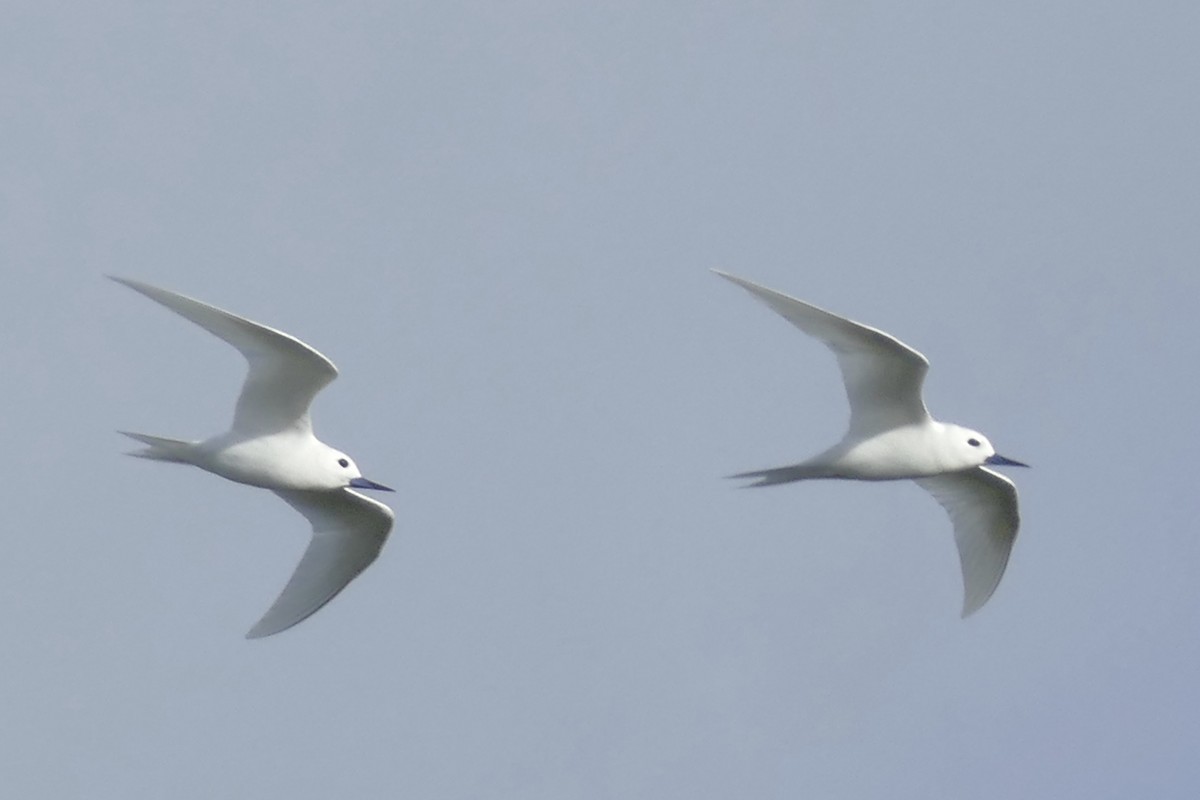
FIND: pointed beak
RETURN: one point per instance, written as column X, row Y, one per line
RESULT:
column 363, row 483
column 999, row 460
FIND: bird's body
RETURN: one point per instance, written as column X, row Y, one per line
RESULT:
column 271, row 445
column 891, row 436
column 910, row 451
column 275, row 461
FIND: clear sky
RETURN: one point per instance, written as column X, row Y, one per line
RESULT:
column 498, row 220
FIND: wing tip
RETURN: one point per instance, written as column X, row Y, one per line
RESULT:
column 128, row 283
column 136, row 285
column 745, row 284
column 259, row 632
column 268, row 627
column 974, row 601
column 971, row 606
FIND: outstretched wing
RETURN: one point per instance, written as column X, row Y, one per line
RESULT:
column 982, row 505
column 285, row 374
column 883, row 376
column 349, row 530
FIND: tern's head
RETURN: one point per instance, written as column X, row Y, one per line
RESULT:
column 338, row 471
column 974, row 449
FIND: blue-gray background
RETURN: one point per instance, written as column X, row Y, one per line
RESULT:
column 498, row 219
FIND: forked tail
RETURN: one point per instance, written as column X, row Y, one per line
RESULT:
column 788, row 474
column 159, row 448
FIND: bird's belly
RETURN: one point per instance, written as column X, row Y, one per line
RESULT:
column 256, row 463
column 879, row 471
column 888, row 458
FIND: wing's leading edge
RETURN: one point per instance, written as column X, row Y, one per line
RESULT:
column 349, row 530
column 982, row 505
column 883, row 376
column 285, row 373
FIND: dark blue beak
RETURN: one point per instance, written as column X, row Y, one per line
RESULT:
column 999, row 460
column 363, row 483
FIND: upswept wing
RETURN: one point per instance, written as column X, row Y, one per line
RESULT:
column 982, row 505
column 349, row 530
column 883, row 376
column 285, row 374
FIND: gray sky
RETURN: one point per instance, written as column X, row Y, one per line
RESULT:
column 498, row 220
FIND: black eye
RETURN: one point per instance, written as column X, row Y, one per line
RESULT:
column 346, row 463
column 972, row 442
